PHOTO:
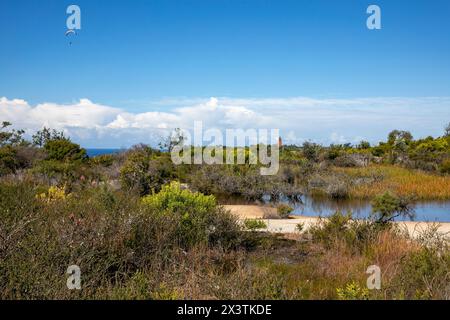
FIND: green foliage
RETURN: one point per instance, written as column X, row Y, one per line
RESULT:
column 340, row 228
column 254, row 224
column 381, row 149
column 239, row 180
column 284, row 210
column 64, row 150
column 364, row 145
column 41, row 137
column 445, row 167
column 8, row 160
column 177, row 138
column 111, row 236
column 10, row 141
column 300, row 227
column 104, row 160
column 335, row 226
column 128, row 249
column 173, row 243
column 10, row 138
column 387, row 207
column 311, row 151
column 447, row 130
column 196, row 217
column 399, row 136
column 425, row 274
column 57, row 169
column 335, row 151
column 173, row 199
column 145, row 170
column 428, row 153
column 353, row 291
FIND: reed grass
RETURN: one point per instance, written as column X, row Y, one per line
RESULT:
column 403, row 182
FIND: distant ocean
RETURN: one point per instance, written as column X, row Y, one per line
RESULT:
column 99, row 152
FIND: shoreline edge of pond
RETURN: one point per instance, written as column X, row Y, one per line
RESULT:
column 289, row 226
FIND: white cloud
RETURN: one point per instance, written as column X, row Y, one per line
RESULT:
column 321, row 120
column 337, row 138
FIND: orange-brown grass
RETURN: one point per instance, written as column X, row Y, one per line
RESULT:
column 401, row 181
column 387, row 252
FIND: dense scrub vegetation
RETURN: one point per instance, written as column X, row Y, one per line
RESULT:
column 140, row 227
column 401, row 165
column 177, row 244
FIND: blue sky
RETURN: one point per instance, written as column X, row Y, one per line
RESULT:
column 150, row 58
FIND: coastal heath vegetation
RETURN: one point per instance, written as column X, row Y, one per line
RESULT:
column 141, row 228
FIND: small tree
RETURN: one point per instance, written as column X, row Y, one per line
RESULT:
column 176, row 138
column 397, row 136
column 364, row 145
column 41, row 137
column 447, row 130
column 64, row 150
column 284, row 211
column 11, row 138
column 311, row 150
column 399, row 142
column 387, row 207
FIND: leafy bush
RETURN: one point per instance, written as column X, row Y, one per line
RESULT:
column 144, row 172
column 254, row 224
column 8, row 160
column 196, row 217
column 353, row 291
column 445, row 167
column 64, row 150
column 239, row 180
column 311, row 151
column 41, row 137
column 340, row 229
column 284, row 210
column 387, row 207
column 11, row 138
column 104, row 160
column 425, row 275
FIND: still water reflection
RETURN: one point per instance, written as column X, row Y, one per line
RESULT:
column 432, row 211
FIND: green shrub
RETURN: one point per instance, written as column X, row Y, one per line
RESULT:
column 444, row 168
column 8, row 160
column 300, row 227
column 336, row 226
column 254, row 224
column 311, row 150
column 425, row 275
column 64, row 150
column 145, row 171
column 352, row 291
column 104, row 160
column 284, row 210
column 341, row 228
column 197, row 218
column 387, row 207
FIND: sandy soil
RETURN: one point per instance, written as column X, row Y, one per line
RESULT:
column 414, row 228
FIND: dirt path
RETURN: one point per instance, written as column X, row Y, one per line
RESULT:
column 414, row 228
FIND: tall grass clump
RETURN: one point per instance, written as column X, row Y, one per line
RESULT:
column 377, row 179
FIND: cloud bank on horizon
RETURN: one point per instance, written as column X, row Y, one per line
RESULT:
column 321, row 120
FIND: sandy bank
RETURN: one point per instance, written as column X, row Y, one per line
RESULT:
column 289, row 225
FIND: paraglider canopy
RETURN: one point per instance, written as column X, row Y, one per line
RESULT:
column 68, row 33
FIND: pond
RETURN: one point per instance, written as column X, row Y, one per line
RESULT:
column 432, row 211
